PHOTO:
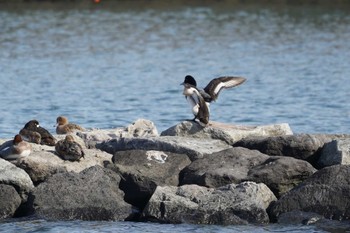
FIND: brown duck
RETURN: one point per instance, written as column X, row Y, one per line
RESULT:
column 64, row 127
column 33, row 132
column 68, row 149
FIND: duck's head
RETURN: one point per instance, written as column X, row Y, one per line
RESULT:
column 69, row 138
column 189, row 80
column 32, row 124
column 62, row 120
column 17, row 139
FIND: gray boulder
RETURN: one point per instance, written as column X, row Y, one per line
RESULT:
column 226, row 132
column 9, row 201
column 194, row 148
column 326, row 193
column 139, row 128
column 222, row 168
column 143, row 171
column 301, row 146
column 335, row 152
column 232, row 204
column 239, row 164
column 281, row 174
column 43, row 162
column 16, row 177
column 90, row 195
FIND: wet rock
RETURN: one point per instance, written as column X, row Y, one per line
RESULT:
column 194, row 148
column 301, row 146
column 143, row 171
column 326, row 193
column 226, row 132
column 16, row 177
column 140, row 128
column 44, row 162
column 299, row 217
column 91, row 195
column 335, row 152
column 231, row 204
column 239, row 164
column 9, row 201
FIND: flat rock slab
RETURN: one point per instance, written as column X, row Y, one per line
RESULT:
column 92, row 195
column 232, row 204
column 143, row 171
column 194, row 148
column 226, row 132
column 43, row 162
column 326, row 193
column 300, row 146
column 139, row 128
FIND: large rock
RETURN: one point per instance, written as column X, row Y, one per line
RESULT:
column 43, row 162
column 225, row 132
column 90, row 195
column 326, row 193
column 143, row 171
column 232, row 204
column 140, row 128
column 194, row 148
column 335, row 152
column 9, row 201
column 281, row 174
column 222, row 168
column 301, row 146
column 239, row 164
column 16, row 177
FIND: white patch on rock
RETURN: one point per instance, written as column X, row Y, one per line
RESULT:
column 157, row 156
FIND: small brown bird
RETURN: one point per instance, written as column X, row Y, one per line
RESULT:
column 68, row 149
column 31, row 132
column 64, row 127
column 15, row 149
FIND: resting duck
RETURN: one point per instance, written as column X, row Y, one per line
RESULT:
column 64, row 127
column 15, row 149
column 32, row 132
column 68, row 149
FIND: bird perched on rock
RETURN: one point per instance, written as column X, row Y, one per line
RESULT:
column 68, row 149
column 200, row 99
column 64, row 127
column 15, row 149
column 32, row 130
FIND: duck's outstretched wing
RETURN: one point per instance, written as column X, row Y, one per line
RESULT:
column 216, row 85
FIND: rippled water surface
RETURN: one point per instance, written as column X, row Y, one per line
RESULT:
column 107, row 65
column 134, row 227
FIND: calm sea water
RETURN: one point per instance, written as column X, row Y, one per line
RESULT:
column 106, row 65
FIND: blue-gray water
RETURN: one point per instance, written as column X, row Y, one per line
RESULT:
column 134, row 227
column 106, row 65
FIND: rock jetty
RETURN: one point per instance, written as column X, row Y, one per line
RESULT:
column 220, row 174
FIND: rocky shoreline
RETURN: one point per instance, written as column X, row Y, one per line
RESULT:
column 221, row 174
